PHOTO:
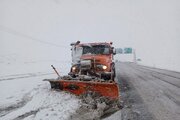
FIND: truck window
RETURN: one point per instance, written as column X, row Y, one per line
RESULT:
column 96, row 49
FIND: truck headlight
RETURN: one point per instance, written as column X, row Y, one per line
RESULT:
column 73, row 68
column 104, row 67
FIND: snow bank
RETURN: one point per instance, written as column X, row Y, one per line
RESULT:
column 44, row 103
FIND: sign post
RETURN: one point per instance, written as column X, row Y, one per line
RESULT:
column 127, row 50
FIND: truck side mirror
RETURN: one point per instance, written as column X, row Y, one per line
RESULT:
column 113, row 51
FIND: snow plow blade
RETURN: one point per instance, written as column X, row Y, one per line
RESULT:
column 77, row 87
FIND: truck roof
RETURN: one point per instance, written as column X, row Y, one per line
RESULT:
column 95, row 43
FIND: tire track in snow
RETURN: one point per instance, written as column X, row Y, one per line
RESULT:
column 160, row 92
column 134, row 106
column 154, row 74
column 157, row 70
column 20, row 76
column 45, row 104
column 4, row 110
column 27, row 114
column 165, row 80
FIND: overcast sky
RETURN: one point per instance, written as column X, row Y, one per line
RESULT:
column 43, row 29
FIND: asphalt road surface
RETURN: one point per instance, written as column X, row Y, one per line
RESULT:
column 148, row 93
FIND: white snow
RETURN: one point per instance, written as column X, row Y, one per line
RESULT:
column 37, row 96
column 115, row 116
column 36, row 34
column 24, row 94
column 124, row 57
column 151, row 27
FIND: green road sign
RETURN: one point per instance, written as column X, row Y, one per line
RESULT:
column 119, row 50
column 127, row 50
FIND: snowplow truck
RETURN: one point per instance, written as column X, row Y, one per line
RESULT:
column 93, row 59
column 93, row 70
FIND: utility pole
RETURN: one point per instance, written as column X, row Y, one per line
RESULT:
column 134, row 55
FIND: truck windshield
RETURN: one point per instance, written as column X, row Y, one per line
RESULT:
column 95, row 49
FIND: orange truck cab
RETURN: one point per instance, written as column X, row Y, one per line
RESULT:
column 93, row 59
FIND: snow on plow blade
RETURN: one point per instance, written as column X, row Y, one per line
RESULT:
column 77, row 87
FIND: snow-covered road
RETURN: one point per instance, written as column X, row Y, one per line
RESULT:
column 149, row 93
